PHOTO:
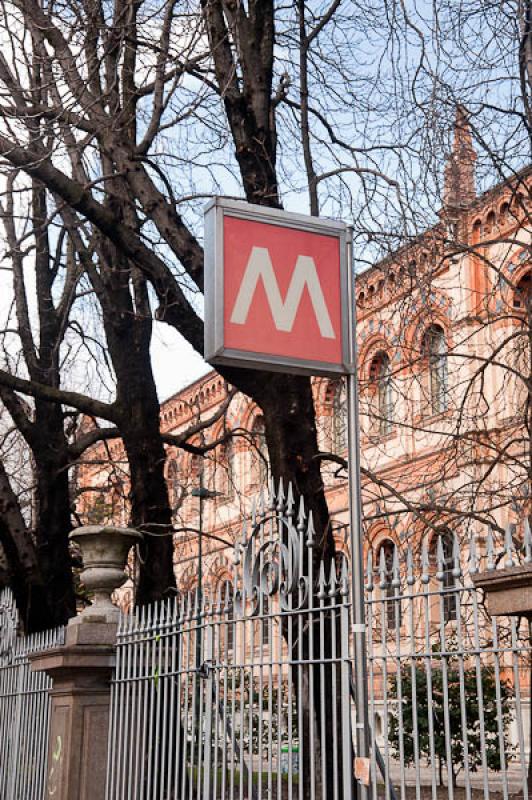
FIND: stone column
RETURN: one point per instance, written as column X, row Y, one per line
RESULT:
column 81, row 671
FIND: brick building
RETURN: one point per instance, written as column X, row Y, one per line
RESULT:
column 443, row 343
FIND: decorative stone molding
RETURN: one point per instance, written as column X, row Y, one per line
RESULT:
column 508, row 591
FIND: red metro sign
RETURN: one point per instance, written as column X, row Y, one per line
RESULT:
column 276, row 290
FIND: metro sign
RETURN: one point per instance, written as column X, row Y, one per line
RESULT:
column 276, row 290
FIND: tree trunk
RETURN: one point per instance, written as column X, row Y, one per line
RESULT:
column 39, row 559
column 22, row 574
column 53, row 521
column 138, row 418
column 150, row 508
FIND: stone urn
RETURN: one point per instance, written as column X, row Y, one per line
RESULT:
column 104, row 550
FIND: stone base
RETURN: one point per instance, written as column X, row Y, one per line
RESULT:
column 508, row 591
column 79, row 724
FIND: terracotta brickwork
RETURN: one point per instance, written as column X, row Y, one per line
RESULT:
column 427, row 317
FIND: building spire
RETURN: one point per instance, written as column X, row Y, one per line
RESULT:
column 460, row 179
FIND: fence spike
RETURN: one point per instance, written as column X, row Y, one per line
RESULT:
column 440, row 560
column 333, row 579
column 457, row 568
column 290, row 500
column 280, row 496
column 396, row 570
column 271, row 494
column 509, row 545
column 369, row 570
column 322, row 593
column 311, row 540
column 527, row 541
column 425, row 563
column 473, row 558
column 410, row 579
column 301, row 515
column 490, row 550
column 383, row 572
column 344, row 578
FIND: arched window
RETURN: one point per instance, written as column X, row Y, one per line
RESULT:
column 385, row 571
column 523, row 294
column 434, row 350
column 336, row 397
column 227, row 612
column 224, row 477
column 260, row 454
column 381, row 380
column 196, row 466
column 174, row 487
column 442, row 557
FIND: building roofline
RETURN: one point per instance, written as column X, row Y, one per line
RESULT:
column 392, row 257
column 462, row 212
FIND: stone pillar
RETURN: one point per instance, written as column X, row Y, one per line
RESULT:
column 508, row 591
column 81, row 671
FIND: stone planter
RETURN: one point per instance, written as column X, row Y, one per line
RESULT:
column 104, row 550
column 508, row 591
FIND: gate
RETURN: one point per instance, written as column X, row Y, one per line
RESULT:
column 24, row 707
column 244, row 693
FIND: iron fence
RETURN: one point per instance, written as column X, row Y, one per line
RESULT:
column 246, row 693
column 449, row 686
column 24, row 707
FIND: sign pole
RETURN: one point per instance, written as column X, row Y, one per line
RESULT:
column 357, row 549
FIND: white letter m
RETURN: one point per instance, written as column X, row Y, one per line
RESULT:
column 284, row 314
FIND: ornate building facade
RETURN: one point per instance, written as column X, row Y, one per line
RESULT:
column 443, row 351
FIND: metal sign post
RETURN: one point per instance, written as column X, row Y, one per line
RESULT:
column 357, row 550
column 279, row 295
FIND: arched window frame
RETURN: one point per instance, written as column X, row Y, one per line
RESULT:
column 336, row 396
column 434, row 351
column 380, row 373
column 174, row 487
column 448, row 580
column 522, row 297
column 224, row 473
column 227, row 614
column 392, row 612
column 260, row 454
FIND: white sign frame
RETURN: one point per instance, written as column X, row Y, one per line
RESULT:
column 215, row 351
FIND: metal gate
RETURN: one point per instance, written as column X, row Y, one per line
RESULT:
column 244, row 693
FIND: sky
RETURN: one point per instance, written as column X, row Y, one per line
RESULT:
column 175, row 363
